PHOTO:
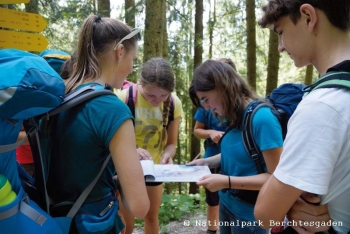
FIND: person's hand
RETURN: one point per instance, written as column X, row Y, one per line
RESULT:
column 213, row 182
column 144, row 154
column 197, row 162
column 216, row 135
column 166, row 159
column 306, row 209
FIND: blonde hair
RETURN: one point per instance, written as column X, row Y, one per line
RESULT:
column 96, row 36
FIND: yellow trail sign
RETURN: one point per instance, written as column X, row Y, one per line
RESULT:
column 13, row 1
column 21, row 20
column 22, row 41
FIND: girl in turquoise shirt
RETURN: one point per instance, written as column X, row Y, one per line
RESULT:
column 227, row 94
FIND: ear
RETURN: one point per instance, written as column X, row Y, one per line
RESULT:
column 309, row 16
column 119, row 52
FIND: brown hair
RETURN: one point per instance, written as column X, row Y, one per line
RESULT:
column 96, row 36
column 68, row 66
column 216, row 75
column 192, row 93
column 337, row 11
column 157, row 71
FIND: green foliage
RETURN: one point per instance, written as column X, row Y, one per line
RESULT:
column 174, row 207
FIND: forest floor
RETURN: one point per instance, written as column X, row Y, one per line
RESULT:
column 189, row 224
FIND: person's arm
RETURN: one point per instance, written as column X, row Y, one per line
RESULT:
column 216, row 182
column 274, row 192
column 21, row 135
column 169, row 150
column 128, row 167
column 202, row 133
column 211, row 162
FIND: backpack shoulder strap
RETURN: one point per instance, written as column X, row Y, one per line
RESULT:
column 79, row 96
column 339, row 79
column 87, row 191
column 131, row 96
column 31, row 126
column 247, row 134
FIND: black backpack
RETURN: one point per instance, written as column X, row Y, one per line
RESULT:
column 283, row 101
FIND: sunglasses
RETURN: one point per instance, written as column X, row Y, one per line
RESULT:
column 134, row 32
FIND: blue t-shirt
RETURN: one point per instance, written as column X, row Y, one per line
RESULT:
column 207, row 118
column 235, row 160
column 80, row 146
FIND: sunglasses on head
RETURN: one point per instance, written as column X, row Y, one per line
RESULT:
column 134, row 32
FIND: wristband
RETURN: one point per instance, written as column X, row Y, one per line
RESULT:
column 229, row 182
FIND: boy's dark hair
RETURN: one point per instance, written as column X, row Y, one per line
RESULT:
column 337, row 11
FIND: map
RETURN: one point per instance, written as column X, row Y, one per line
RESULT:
column 172, row 172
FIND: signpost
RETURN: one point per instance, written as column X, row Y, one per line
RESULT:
column 21, row 20
column 13, row 1
column 22, row 41
column 12, row 21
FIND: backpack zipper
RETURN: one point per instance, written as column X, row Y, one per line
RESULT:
column 104, row 211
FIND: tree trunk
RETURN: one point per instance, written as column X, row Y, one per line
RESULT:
column 130, row 13
column 211, row 24
column 273, row 63
column 309, row 74
column 198, row 52
column 153, row 42
column 251, row 43
column 104, row 8
column 165, row 32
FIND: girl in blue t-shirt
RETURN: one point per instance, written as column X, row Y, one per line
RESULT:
column 87, row 134
column 218, row 86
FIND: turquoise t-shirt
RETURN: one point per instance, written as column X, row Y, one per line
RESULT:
column 235, row 161
column 207, row 118
column 81, row 144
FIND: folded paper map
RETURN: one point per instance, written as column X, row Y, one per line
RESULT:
column 172, row 172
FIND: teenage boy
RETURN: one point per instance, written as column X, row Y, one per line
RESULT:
column 316, row 152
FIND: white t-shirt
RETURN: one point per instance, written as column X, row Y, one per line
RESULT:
column 316, row 152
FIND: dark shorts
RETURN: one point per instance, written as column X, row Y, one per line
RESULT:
column 212, row 198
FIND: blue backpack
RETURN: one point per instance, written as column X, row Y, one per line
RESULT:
column 283, row 101
column 56, row 58
column 30, row 92
column 28, row 87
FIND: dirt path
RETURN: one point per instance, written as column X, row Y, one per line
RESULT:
column 190, row 224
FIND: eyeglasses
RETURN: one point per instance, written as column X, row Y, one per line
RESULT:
column 134, row 32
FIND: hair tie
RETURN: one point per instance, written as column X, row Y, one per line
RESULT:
column 98, row 19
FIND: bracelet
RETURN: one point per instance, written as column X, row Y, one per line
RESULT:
column 229, row 182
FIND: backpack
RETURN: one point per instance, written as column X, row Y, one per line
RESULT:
column 55, row 58
column 283, row 101
column 130, row 101
column 30, row 92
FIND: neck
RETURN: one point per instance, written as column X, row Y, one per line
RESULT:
column 337, row 49
column 247, row 101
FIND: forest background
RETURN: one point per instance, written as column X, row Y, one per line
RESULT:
column 186, row 33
